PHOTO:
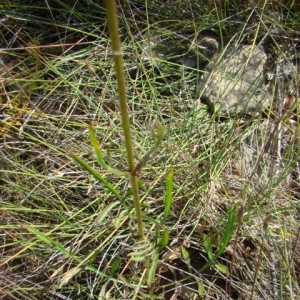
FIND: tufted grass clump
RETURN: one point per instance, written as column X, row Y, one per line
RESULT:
column 120, row 182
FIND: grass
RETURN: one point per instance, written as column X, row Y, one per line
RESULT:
column 233, row 228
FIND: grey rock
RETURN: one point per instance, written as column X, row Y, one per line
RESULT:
column 234, row 82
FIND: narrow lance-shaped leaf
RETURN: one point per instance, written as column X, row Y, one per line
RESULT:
column 164, row 239
column 208, row 246
column 201, row 288
column 46, row 239
column 221, row 268
column 104, row 213
column 152, row 269
column 100, row 159
column 141, row 254
column 41, row 236
column 230, row 227
column 186, row 255
column 115, row 266
column 169, row 196
column 222, row 246
column 93, row 172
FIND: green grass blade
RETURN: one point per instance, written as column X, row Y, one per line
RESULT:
column 230, row 224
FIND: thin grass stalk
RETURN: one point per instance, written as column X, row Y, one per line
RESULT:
column 111, row 11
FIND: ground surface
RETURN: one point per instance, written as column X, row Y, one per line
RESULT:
column 233, row 226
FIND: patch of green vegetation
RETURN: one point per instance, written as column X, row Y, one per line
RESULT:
column 218, row 197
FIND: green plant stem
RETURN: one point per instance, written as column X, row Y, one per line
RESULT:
column 111, row 11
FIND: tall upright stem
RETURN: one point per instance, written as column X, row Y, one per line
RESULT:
column 111, row 11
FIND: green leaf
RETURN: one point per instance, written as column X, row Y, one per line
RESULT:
column 104, row 213
column 152, row 269
column 103, row 293
column 137, row 258
column 168, row 196
column 92, row 255
column 141, row 255
column 221, row 268
column 60, row 247
column 230, row 225
column 143, row 249
column 123, row 214
column 46, row 239
column 208, row 246
column 100, row 159
column 229, row 230
column 41, row 236
column 186, row 255
column 201, row 289
column 93, row 172
column 164, row 241
column 157, row 133
column 115, row 266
